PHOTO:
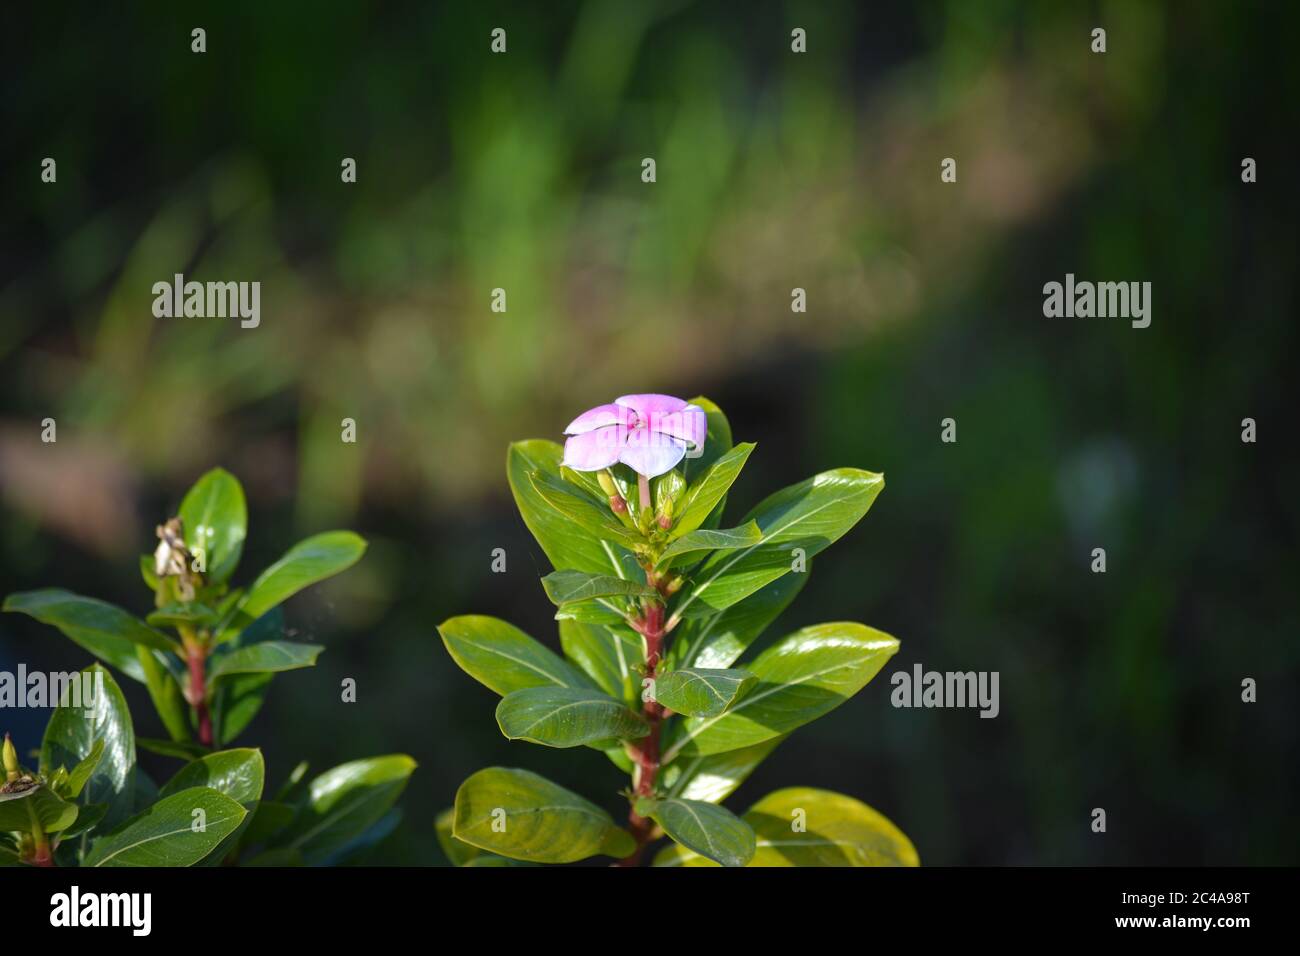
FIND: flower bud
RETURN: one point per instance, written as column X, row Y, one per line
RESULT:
column 607, row 484
column 11, row 761
column 668, row 489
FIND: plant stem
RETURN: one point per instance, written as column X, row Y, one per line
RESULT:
column 196, row 657
column 42, row 856
column 647, row 748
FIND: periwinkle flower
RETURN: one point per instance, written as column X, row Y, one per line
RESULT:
column 648, row 433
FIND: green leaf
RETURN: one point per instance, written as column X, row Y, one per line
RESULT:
column 578, row 507
column 71, row 736
column 608, row 653
column 164, row 834
column 566, row 545
column 215, row 519
column 236, row 701
column 502, row 657
column 719, row 639
column 708, row 490
column 706, row 539
column 566, row 717
column 714, row 777
column 463, row 854
column 565, row 587
column 343, row 803
column 18, row 805
column 103, row 629
column 80, row 775
column 802, row 677
column 809, row 516
column 700, row 692
column 88, row 817
column 717, row 441
column 239, row 774
column 521, row 815
column 166, row 694
column 708, row 829
column 837, row 831
column 314, row 559
column 268, row 656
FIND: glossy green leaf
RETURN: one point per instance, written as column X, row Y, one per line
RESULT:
column 578, row 507
column 236, row 701
column 464, row 854
column 344, row 803
column 707, row 539
column 166, row 694
column 608, row 653
column 81, row 773
column 147, row 572
column 72, row 735
column 708, row 490
column 714, row 777
column 719, row 639
column 834, row 830
column 21, row 801
column 802, row 677
column 268, row 656
column 165, row 834
column 240, row 774
column 103, row 629
column 314, row 559
column 566, row 545
column 524, row 816
column 701, row 692
column 89, row 817
column 566, row 717
column 565, row 587
column 214, row 517
column 708, row 829
column 717, row 441
column 502, row 657
column 809, row 516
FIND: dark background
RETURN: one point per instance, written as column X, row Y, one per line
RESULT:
column 775, row 170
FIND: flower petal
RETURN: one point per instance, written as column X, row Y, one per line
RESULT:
column 690, row 424
column 651, row 405
column 650, row 453
column 594, row 450
column 599, row 417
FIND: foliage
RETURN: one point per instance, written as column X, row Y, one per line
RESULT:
column 207, row 655
column 639, row 563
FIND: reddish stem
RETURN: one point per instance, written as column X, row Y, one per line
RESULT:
column 647, row 748
column 198, row 692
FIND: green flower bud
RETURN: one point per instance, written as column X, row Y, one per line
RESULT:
column 11, row 761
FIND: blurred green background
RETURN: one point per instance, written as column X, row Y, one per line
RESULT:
column 775, row 170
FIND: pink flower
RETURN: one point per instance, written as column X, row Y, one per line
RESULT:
column 648, row 433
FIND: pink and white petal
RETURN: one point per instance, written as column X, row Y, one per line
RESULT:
column 652, row 454
column 651, row 405
column 594, row 450
column 690, row 424
column 599, row 417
